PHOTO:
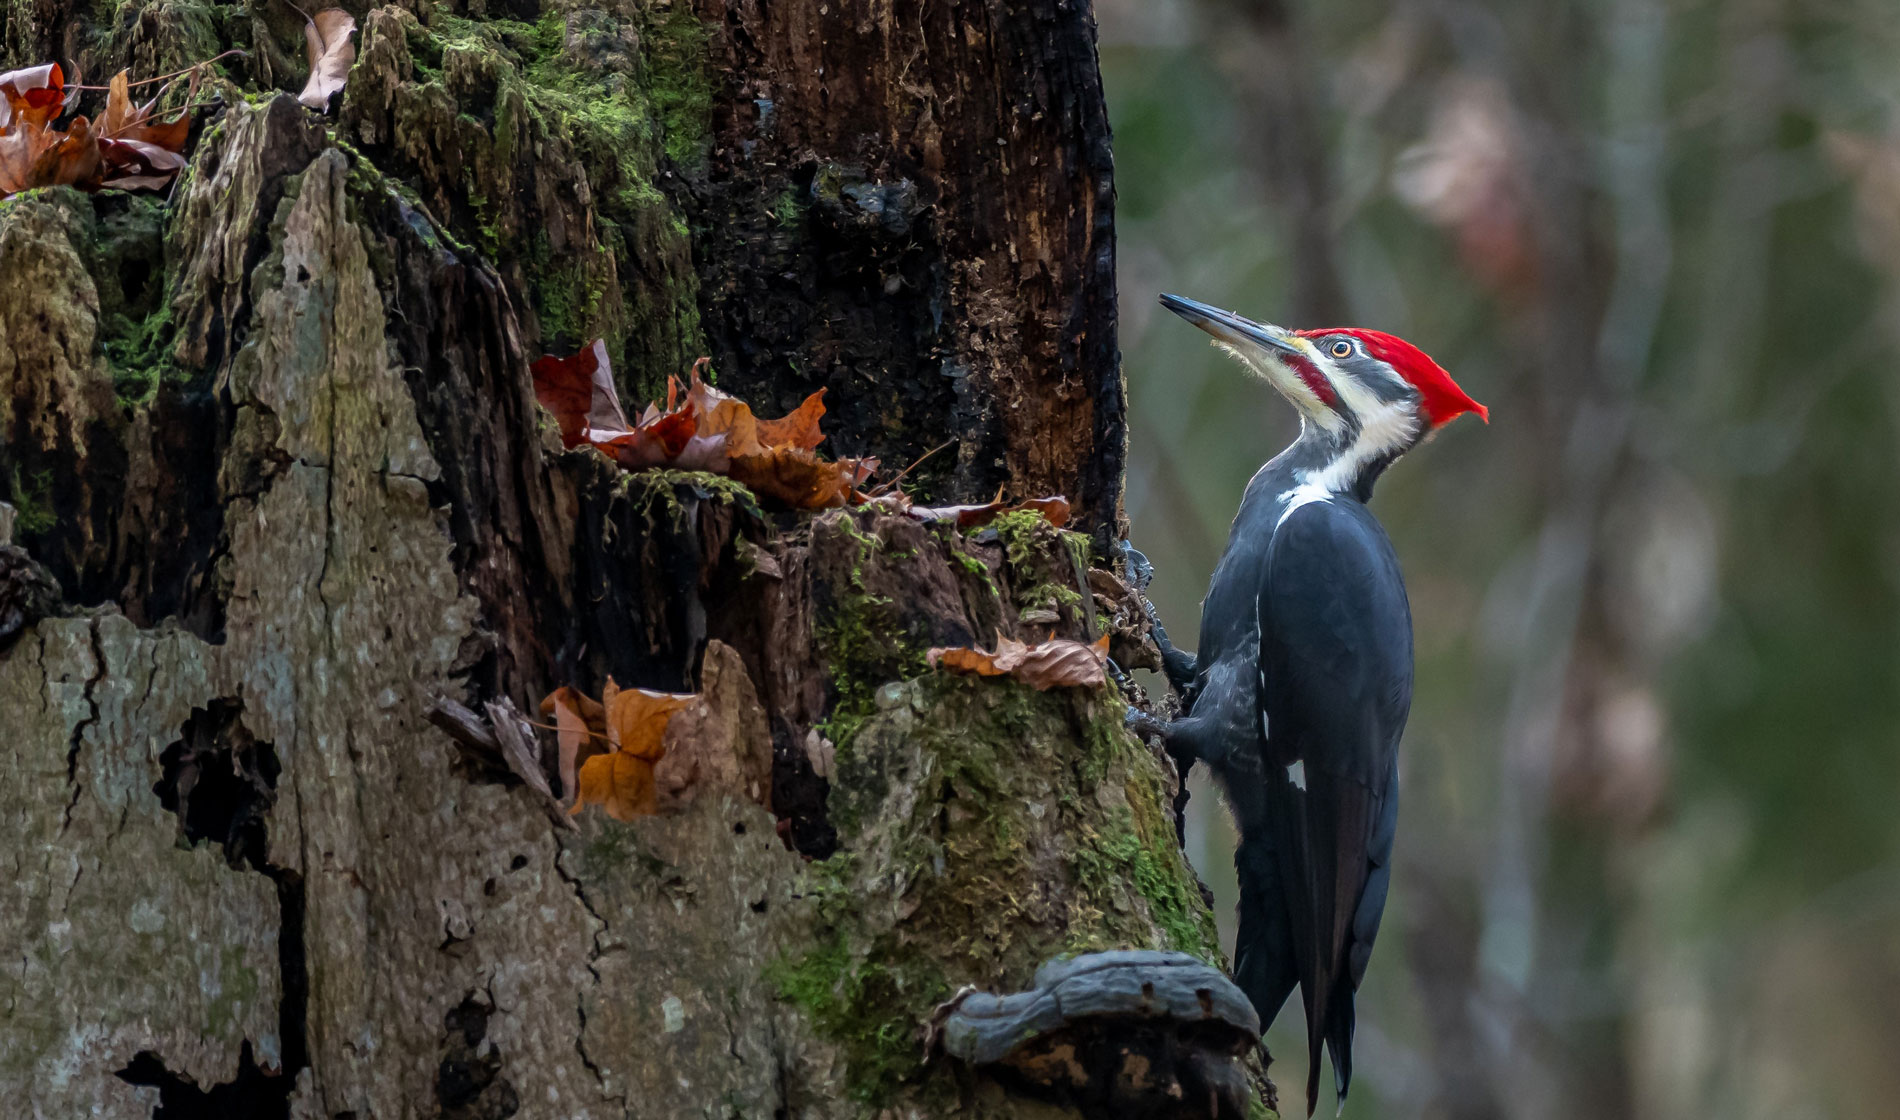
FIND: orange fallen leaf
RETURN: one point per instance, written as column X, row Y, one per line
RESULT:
column 700, row 428
column 578, row 720
column 637, row 718
column 138, row 149
column 1056, row 663
column 800, row 478
column 615, row 740
column 126, row 147
column 41, row 89
column 619, row 783
column 327, row 42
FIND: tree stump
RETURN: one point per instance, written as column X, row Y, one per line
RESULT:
column 279, row 486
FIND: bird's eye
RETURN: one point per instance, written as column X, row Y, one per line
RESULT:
column 1342, row 349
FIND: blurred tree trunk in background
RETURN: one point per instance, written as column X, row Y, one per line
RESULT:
column 274, row 438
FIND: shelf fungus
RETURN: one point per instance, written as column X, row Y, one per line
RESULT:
column 1132, row 1034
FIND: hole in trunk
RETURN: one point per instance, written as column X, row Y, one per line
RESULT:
column 468, row 1083
column 254, row 1094
column 221, row 782
column 798, row 798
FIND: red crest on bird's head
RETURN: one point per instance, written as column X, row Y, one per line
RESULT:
column 1439, row 395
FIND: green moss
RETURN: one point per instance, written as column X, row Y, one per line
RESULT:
column 987, row 827
column 126, row 258
column 157, row 38
column 570, row 295
column 610, row 850
column 868, row 1003
column 560, row 88
column 1136, row 845
column 680, row 82
column 863, row 645
column 972, row 565
column 661, row 488
column 1024, row 534
column 1052, row 595
column 789, row 210
column 139, row 354
column 1122, row 855
column 32, row 501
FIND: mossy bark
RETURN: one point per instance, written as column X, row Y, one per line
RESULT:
column 275, row 438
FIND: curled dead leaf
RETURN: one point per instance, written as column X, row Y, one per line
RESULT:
column 331, row 52
column 579, row 391
column 579, row 722
column 608, row 746
column 1054, row 509
column 126, row 147
column 619, row 783
column 40, row 89
column 701, row 429
column 1056, row 663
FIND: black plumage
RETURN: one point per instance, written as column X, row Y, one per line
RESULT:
column 1297, row 700
column 1299, row 694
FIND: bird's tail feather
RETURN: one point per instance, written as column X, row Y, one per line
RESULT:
column 1339, row 1026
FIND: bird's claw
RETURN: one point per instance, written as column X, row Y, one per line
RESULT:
column 1135, row 568
column 1143, row 723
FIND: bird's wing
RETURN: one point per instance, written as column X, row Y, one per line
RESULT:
column 1336, row 685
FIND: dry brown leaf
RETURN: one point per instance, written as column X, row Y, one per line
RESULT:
column 580, row 721
column 615, row 740
column 619, row 783
column 637, row 718
column 41, row 88
column 331, row 52
column 700, row 429
column 720, row 744
column 579, row 392
column 1056, row 663
column 797, row 429
column 799, row 478
column 1054, row 509
column 124, row 148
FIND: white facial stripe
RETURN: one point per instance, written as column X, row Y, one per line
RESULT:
column 1385, row 427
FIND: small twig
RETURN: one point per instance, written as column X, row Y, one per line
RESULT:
column 142, row 120
column 463, row 726
column 588, row 731
column 170, row 76
column 892, row 484
column 506, row 740
column 518, row 749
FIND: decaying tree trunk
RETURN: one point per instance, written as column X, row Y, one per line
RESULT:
column 273, row 438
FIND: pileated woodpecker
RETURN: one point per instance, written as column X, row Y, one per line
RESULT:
column 1303, row 680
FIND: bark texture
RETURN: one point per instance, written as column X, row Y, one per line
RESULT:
column 274, row 440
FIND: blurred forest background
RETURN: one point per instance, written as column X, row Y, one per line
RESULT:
column 1649, row 854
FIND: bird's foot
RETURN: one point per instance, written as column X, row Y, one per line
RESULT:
column 1145, row 723
column 1137, row 572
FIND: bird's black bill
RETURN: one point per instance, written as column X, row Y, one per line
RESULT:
column 1227, row 326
